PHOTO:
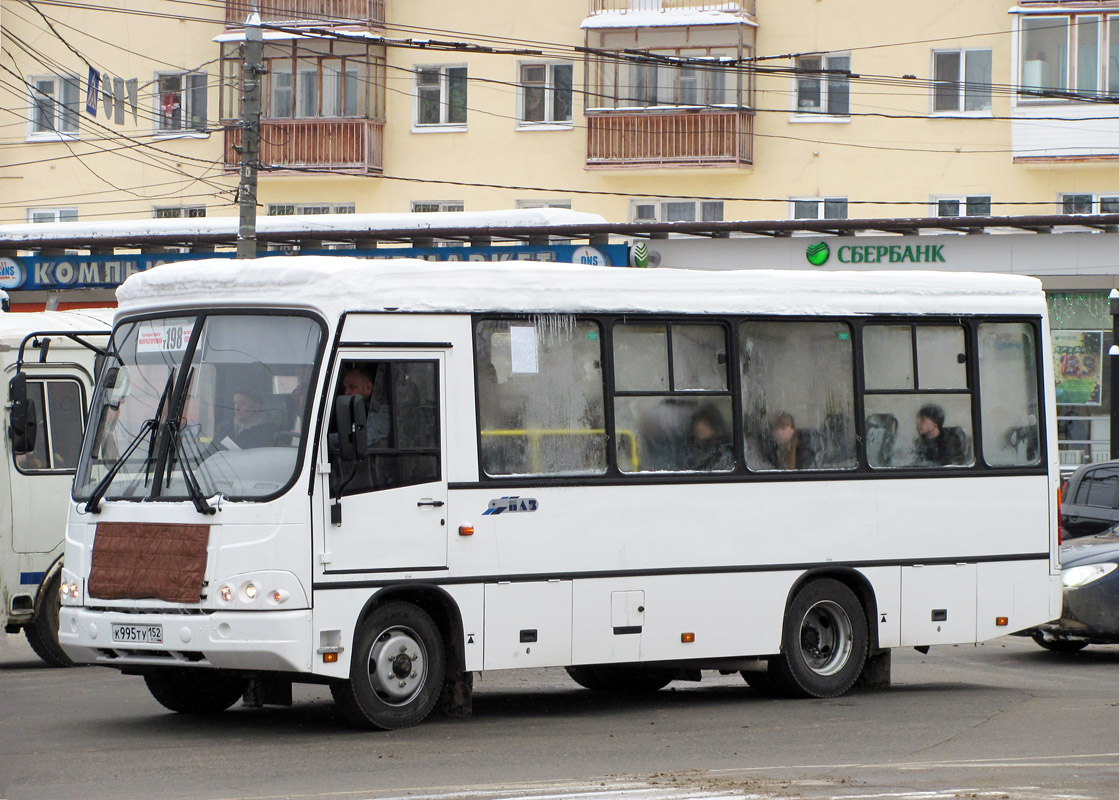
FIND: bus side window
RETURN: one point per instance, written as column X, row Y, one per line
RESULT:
column 672, row 407
column 1009, row 399
column 798, row 397
column 917, row 375
column 540, row 397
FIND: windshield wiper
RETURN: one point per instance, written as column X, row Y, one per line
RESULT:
column 93, row 505
column 178, row 448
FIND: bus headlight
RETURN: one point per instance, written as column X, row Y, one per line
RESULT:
column 262, row 591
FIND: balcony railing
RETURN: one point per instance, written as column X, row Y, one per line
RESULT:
column 737, row 7
column 319, row 12
column 702, row 138
column 329, row 145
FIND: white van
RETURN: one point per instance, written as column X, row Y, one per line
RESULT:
column 48, row 360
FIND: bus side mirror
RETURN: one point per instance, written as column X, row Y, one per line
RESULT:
column 21, row 417
column 349, row 416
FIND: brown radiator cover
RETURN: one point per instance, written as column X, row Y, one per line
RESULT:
column 133, row 560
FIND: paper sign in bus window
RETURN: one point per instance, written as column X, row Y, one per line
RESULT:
column 522, row 346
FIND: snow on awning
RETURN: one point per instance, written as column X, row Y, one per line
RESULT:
column 667, row 18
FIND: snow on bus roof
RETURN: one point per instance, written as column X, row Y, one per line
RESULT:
column 336, row 284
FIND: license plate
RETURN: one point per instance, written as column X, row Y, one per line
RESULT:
column 138, row 634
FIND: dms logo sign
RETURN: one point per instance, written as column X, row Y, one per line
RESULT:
column 11, row 273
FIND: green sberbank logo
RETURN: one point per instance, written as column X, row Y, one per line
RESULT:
column 818, row 253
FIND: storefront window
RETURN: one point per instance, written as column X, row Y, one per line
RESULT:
column 1081, row 331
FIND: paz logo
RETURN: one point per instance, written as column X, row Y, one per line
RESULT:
column 818, row 253
column 640, row 255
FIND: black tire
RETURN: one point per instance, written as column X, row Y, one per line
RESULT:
column 194, row 691
column 1065, row 646
column 42, row 632
column 824, row 641
column 621, row 680
column 397, row 670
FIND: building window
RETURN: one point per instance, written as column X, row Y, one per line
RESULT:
column 1089, row 204
column 182, row 101
column 971, row 206
column 430, row 206
column 824, row 85
column 1068, row 54
column 54, row 106
column 440, row 95
column 52, row 215
column 289, row 209
column 676, row 210
column 545, row 93
column 819, row 207
column 962, row 80
column 179, row 212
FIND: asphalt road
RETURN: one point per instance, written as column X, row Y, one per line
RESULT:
column 1000, row 720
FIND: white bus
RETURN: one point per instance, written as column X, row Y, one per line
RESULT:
column 48, row 360
column 386, row 476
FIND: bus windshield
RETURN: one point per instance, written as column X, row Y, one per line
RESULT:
column 201, row 405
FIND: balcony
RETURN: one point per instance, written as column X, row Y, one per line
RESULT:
column 741, row 8
column 323, row 145
column 370, row 13
column 700, row 138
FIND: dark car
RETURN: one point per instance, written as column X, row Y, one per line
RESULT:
column 1090, row 499
column 1090, row 611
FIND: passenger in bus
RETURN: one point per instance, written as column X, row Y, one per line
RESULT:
column 250, row 426
column 793, row 448
column 708, row 445
column 936, row 444
column 360, row 381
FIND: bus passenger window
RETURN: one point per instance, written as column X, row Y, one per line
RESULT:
column 798, row 397
column 1008, row 407
column 917, row 399
column 672, row 409
column 540, row 397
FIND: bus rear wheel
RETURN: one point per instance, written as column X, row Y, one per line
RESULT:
column 397, row 670
column 824, row 641
column 194, row 691
column 42, row 632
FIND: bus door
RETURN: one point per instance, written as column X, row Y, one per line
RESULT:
column 388, row 510
column 41, row 478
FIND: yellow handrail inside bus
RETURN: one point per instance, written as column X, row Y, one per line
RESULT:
column 534, row 435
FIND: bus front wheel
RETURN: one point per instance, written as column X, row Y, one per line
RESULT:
column 397, row 670
column 194, row 691
column 824, row 641
column 42, row 632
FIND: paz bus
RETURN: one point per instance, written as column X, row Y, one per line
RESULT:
column 459, row 468
column 48, row 359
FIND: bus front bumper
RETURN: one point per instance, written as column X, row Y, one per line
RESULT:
column 239, row 640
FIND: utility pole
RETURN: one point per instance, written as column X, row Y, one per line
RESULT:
column 250, row 136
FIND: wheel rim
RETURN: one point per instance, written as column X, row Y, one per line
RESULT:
column 826, row 638
column 397, row 666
